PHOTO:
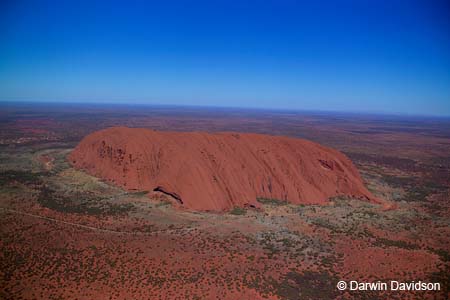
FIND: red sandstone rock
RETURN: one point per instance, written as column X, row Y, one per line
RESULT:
column 204, row 171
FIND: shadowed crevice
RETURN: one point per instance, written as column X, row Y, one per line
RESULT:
column 173, row 195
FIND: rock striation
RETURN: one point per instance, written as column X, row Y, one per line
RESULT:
column 216, row 172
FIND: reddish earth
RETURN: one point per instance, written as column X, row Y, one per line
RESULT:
column 66, row 235
column 204, row 171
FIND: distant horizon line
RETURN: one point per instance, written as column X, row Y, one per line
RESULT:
column 273, row 109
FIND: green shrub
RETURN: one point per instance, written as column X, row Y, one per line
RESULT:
column 271, row 201
column 238, row 211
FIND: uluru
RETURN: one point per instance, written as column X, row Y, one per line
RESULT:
column 218, row 171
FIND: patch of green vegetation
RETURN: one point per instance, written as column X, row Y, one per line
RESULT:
column 416, row 190
column 238, row 211
column 271, row 201
column 380, row 242
column 327, row 261
column 325, row 224
column 60, row 162
column 307, row 285
column 421, row 191
column 24, row 177
column 80, row 204
column 269, row 244
column 272, row 250
column 139, row 193
column 286, row 242
column 398, row 182
column 443, row 254
column 164, row 203
column 370, row 214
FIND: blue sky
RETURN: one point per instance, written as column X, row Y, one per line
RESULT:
column 369, row 56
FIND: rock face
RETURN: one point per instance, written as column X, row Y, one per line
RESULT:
column 203, row 171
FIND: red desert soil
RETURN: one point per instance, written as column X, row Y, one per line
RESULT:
column 205, row 171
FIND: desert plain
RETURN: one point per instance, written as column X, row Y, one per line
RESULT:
column 66, row 234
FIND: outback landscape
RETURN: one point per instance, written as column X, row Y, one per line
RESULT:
column 69, row 233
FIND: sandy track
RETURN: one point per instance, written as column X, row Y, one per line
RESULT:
column 92, row 228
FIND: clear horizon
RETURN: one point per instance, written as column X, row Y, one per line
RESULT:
column 222, row 107
column 381, row 58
